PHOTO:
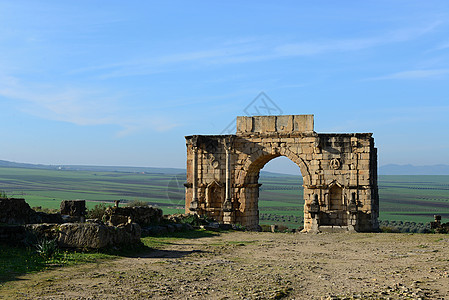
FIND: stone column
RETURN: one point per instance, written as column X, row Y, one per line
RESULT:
column 227, row 205
column 314, row 210
column 352, row 213
column 194, row 204
column 228, row 172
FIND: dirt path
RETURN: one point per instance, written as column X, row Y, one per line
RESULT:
column 243, row 265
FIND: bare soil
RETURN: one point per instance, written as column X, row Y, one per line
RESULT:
column 246, row 265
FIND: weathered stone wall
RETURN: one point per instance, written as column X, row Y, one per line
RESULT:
column 74, row 208
column 87, row 235
column 142, row 215
column 17, row 211
column 14, row 213
column 339, row 172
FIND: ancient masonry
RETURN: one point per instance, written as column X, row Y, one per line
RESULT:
column 339, row 173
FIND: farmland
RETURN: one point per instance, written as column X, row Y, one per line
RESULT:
column 407, row 198
column 402, row 198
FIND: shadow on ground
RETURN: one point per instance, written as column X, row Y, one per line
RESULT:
column 170, row 253
column 16, row 261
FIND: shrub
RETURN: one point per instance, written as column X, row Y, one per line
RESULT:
column 238, row 227
column 265, row 227
column 3, row 195
column 444, row 228
column 389, row 229
column 282, row 228
column 135, row 203
column 196, row 220
column 97, row 211
column 45, row 210
column 46, row 248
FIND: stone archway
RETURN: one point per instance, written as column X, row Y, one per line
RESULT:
column 335, row 168
column 249, row 181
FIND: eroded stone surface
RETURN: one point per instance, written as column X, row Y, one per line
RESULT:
column 76, row 208
column 87, row 235
column 143, row 215
column 339, row 172
column 15, row 211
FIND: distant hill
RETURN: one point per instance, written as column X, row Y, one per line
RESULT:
column 266, row 174
column 9, row 164
column 393, row 169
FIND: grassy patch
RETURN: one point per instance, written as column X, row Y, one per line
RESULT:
column 16, row 261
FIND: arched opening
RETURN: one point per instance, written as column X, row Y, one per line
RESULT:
column 336, row 215
column 282, row 200
column 214, row 200
column 281, row 194
column 335, row 198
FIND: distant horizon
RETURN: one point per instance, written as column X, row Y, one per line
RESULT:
column 278, row 168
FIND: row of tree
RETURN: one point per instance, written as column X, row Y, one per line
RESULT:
column 385, row 225
column 281, row 218
column 279, row 187
column 405, row 227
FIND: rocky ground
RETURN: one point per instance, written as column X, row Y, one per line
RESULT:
column 244, row 265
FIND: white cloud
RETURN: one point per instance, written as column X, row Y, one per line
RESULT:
column 252, row 50
column 414, row 74
column 171, row 62
column 77, row 106
column 345, row 45
column 131, row 126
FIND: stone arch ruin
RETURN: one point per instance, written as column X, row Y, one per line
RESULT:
column 339, row 173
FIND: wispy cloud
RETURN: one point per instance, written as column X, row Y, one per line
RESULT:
column 81, row 107
column 132, row 126
column 442, row 46
column 252, row 50
column 78, row 106
column 392, row 117
column 355, row 44
column 414, row 74
column 171, row 62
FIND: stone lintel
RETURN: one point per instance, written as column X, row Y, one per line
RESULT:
column 271, row 124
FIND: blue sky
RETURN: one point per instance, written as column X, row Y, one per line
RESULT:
column 122, row 82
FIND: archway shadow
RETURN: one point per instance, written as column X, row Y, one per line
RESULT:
column 158, row 253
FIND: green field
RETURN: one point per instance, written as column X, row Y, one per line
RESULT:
column 47, row 188
column 407, row 198
column 414, row 198
column 402, row 198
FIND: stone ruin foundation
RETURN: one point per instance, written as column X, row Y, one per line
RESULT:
column 339, row 173
column 19, row 222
